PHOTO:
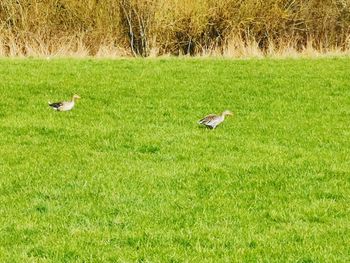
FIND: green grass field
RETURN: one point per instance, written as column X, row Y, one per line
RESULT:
column 129, row 176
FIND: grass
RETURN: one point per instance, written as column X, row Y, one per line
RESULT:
column 128, row 176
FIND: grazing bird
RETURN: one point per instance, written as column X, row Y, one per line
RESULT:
column 64, row 105
column 213, row 120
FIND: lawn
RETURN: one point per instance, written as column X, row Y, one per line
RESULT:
column 129, row 176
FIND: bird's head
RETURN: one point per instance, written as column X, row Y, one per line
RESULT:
column 75, row 96
column 227, row 113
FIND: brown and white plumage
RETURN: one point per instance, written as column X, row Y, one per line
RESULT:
column 64, row 105
column 213, row 120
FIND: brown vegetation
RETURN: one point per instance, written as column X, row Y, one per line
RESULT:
column 235, row 28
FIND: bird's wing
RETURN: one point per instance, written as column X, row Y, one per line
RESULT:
column 56, row 104
column 207, row 119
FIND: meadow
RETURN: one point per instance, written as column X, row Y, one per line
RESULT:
column 129, row 176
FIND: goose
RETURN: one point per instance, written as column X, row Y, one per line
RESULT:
column 64, row 105
column 213, row 120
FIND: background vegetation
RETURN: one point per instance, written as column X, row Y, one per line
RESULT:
column 128, row 176
column 158, row 27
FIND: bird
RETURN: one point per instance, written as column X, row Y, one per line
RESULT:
column 64, row 105
column 213, row 120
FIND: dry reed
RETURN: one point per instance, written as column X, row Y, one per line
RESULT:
column 231, row 28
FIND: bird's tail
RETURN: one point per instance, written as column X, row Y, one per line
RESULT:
column 201, row 121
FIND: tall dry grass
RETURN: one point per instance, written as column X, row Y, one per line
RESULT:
column 236, row 28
